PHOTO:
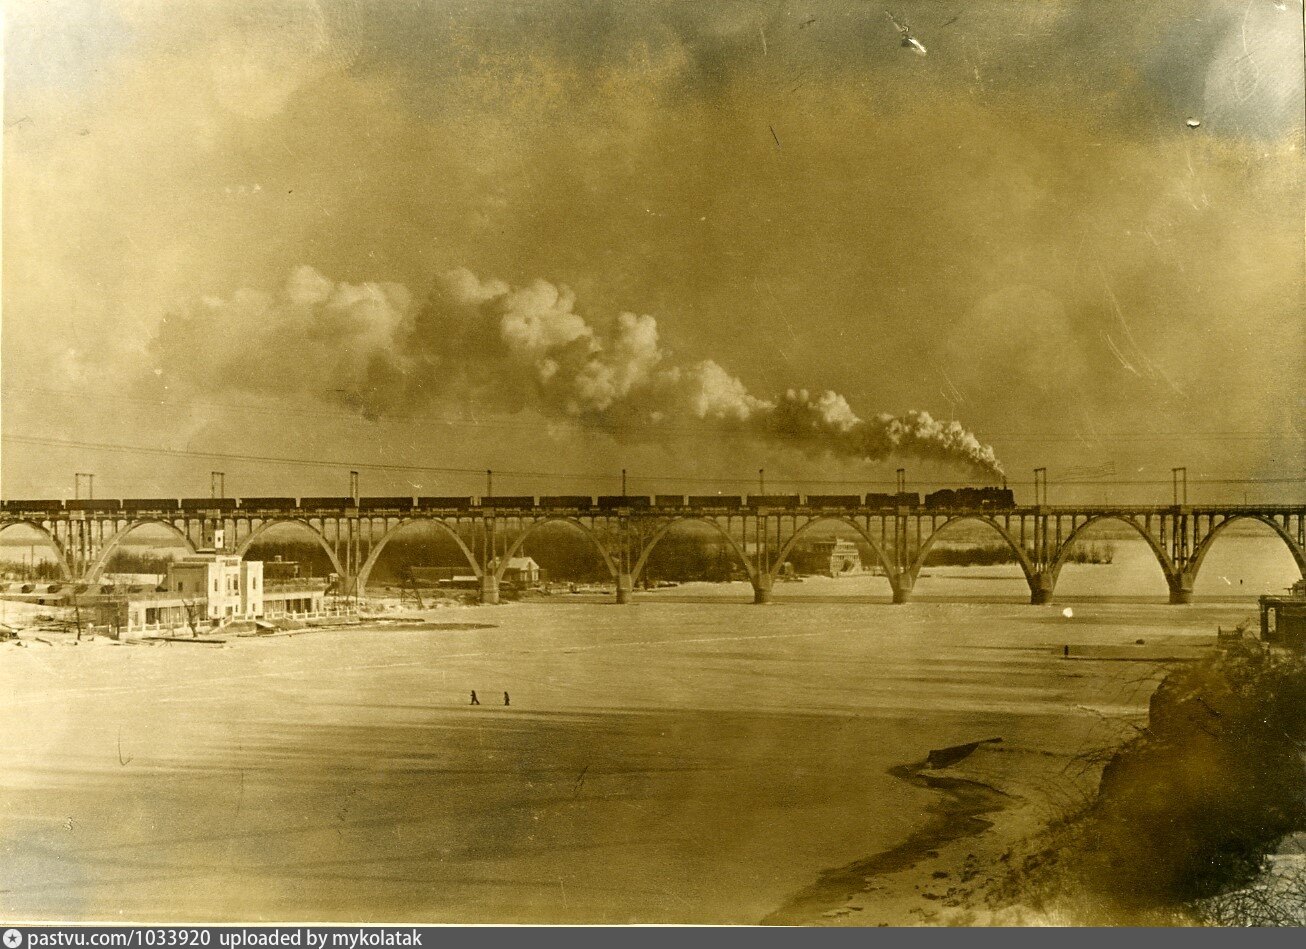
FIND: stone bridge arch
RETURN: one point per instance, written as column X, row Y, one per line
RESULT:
column 1048, row 578
column 898, row 582
column 113, row 543
column 60, row 555
column 1022, row 556
column 365, row 572
column 638, row 569
column 515, row 547
column 1204, row 547
column 243, row 548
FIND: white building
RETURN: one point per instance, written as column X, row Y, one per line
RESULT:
column 207, row 589
column 231, row 588
column 523, row 570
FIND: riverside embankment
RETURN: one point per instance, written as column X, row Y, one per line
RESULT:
column 1189, row 813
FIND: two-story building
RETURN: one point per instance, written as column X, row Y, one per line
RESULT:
column 231, row 588
column 208, row 589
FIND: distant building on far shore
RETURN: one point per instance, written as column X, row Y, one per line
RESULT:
column 834, row 557
column 523, row 571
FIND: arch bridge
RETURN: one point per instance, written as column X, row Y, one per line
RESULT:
column 760, row 531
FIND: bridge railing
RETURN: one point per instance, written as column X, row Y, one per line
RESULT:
column 573, row 504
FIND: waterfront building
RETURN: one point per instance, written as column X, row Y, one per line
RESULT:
column 1283, row 617
column 833, row 557
column 205, row 590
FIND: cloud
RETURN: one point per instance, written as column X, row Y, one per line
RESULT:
column 479, row 341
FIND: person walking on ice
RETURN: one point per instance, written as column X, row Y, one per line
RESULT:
column 475, row 700
column 505, row 699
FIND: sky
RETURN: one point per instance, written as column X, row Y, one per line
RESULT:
column 560, row 238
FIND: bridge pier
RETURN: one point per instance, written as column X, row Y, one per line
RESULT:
column 1181, row 591
column 625, row 586
column 1040, row 591
column 762, row 590
column 489, row 589
column 902, row 587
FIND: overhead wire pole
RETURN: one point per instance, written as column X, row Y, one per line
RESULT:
column 489, row 547
column 355, row 552
column 218, row 489
column 1040, row 522
column 1179, row 478
column 82, row 546
column 624, row 587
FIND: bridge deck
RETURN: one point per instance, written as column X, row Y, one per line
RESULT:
column 263, row 507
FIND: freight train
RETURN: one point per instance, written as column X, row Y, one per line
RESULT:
column 947, row 499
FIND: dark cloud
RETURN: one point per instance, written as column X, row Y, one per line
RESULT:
column 481, row 343
column 1019, row 229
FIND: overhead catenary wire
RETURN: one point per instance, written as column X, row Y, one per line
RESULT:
column 1071, row 437
column 574, row 476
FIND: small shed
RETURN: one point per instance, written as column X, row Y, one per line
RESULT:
column 523, row 570
column 1283, row 618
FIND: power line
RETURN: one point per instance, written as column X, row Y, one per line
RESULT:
column 1232, row 435
column 569, row 476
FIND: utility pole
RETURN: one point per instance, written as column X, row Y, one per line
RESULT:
column 902, row 480
column 489, row 483
column 1040, row 486
column 761, row 481
column 218, row 484
column 623, row 482
column 1180, row 484
column 353, row 486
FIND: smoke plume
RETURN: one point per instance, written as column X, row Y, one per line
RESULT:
column 483, row 344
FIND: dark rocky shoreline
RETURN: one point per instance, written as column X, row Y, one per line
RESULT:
column 1187, row 810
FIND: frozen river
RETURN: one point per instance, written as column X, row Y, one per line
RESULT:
column 673, row 760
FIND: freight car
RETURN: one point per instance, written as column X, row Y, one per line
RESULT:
column 386, row 504
column 208, row 504
column 782, row 501
column 971, row 499
column 35, row 506
column 611, row 502
column 834, row 500
column 513, row 502
column 267, row 504
column 89, row 504
column 444, row 504
column 567, row 502
column 151, row 504
column 730, row 502
column 326, row 504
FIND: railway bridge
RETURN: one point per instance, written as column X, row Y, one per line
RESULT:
column 761, row 530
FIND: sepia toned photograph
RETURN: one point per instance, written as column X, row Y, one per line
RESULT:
column 797, row 463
